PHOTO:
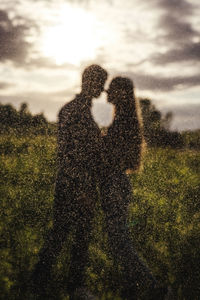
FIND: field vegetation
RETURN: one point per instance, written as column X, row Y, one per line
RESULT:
column 164, row 219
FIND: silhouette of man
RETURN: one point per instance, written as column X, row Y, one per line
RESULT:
column 79, row 152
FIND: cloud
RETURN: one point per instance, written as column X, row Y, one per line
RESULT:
column 180, row 7
column 144, row 81
column 177, row 29
column 178, row 34
column 188, row 52
column 5, row 85
column 49, row 102
column 185, row 116
column 47, row 63
column 13, row 44
column 15, row 47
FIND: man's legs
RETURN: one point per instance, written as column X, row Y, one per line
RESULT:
column 116, row 194
column 63, row 219
column 85, row 202
column 74, row 205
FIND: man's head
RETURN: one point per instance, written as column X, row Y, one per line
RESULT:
column 93, row 80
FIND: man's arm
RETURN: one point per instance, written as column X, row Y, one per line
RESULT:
column 64, row 137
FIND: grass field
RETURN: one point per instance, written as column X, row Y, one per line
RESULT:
column 164, row 219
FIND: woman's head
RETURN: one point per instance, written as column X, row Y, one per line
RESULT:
column 120, row 90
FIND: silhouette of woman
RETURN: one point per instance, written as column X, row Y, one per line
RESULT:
column 123, row 148
column 124, row 139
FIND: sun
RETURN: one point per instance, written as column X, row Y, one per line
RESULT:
column 73, row 39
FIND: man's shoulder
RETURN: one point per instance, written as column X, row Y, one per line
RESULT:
column 71, row 108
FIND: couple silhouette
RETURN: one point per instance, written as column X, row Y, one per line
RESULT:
column 92, row 165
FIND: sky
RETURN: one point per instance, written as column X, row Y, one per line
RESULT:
column 46, row 44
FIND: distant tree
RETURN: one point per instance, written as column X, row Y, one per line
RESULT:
column 39, row 120
column 25, row 116
column 166, row 120
column 192, row 139
column 157, row 127
column 8, row 116
column 151, row 121
column 23, row 120
column 23, row 109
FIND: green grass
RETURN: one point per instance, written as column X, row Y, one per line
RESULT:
column 167, row 195
column 164, row 219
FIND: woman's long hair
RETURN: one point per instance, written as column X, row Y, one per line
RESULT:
column 124, row 136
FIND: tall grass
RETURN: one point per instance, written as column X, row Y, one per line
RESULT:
column 164, row 219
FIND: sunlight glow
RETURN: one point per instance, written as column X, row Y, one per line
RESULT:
column 74, row 38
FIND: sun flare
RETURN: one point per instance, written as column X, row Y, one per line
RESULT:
column 74, row 37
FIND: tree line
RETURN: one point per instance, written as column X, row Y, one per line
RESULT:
column 156, row 126
column 157, row 129
column 23, row 121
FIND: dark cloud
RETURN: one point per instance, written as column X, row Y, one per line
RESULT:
column 189, row 52
column 178, row 33
column 179, row 7
column 13, row 44
column 156, row 82
column 177, row 29
column 5, row 85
